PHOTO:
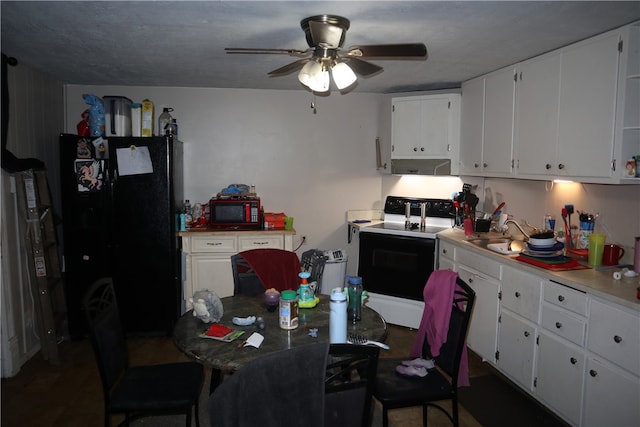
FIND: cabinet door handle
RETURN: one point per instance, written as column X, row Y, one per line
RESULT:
column 560, row 298
column 558, row 325
column 593, row 373
column 476, row 165
column 547, row 166
column 526, row 334
column 560, row 166
column 415, row 149
column 484, row 165
column 517, row 294
column 573, row 360
column 421, row 148
column 617, row 339
column 444, row 251
column 470, row 280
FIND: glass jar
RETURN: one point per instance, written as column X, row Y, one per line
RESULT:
column 288, row 310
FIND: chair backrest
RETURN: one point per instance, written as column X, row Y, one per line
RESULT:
column 284, row 388
column 107, row 334
column 245, row 280
column 275, row 268
column 313, row 261
column 351, row 376
column 451, row 351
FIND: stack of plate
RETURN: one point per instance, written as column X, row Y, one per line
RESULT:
column 544, row 251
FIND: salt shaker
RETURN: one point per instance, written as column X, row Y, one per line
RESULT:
column 338, row 317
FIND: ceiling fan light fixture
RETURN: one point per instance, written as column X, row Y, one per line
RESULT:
column 343, row 75
column 314, row 76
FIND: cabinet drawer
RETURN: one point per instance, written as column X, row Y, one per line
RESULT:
column 478, row 262
column 246, row 243
column 521, row 293
column 213, row 244
column 615, row 335
column 563, row 323
column 446, row 250
column 565, row 297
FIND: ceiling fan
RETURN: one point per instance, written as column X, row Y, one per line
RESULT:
column 325, row 36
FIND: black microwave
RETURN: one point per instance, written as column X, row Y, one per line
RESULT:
column 234, row 212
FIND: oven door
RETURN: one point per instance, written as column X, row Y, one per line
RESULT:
column 394, row 265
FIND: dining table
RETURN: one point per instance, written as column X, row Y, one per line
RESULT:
column 227, row 357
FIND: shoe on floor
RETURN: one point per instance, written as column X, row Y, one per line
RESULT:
column 426, row 364
column 411, row 371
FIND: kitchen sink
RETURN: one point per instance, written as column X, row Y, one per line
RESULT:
column 505, row 246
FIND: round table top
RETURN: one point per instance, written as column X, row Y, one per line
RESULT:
column 229, row 356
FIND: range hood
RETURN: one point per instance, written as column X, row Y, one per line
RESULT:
column 421, row 166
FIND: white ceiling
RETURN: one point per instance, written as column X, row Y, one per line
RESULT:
column 181, row 43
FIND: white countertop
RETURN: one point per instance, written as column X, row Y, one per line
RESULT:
column 599, row 283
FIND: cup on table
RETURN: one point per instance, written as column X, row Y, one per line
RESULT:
column 611, row 254
column 288, row 223
column 596, row 249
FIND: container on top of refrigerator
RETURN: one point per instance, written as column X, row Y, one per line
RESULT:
column 147, row 118
column 117, row 115
column 136, row 119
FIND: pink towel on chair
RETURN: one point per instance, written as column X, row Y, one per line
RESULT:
column 276, row 268
column 438, row 298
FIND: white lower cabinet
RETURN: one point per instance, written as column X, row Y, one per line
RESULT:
column 612, row 383
column 516, row 348
column 611, row 396
column 482, row 336
column 517, row 327
column 560, row 376
column 576, row 353
column 211, row 272
column 207, row 257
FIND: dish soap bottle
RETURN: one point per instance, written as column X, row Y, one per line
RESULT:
column 164, row 121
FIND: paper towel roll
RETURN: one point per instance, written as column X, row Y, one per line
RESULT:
column 617, row 275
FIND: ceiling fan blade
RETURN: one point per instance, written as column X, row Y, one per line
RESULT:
column 250, row 50
column 289, row 68
column 408, row 50
column 361, row 67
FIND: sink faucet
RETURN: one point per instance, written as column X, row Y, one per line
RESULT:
column 511, row 221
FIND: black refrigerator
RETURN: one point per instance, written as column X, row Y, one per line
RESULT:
column 121, row 198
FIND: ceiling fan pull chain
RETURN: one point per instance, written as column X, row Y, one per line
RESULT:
column 313, row 105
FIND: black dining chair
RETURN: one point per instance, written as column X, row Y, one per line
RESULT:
column 284, row 388
column 395, row 391
column 349, row 383
column 135, row 391
column 245, row 279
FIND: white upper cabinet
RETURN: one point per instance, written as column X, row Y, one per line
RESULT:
column 426, row 127
column 537, row 115
column 486, row 139
column 472, row 126
column 576, row 114
column 586, row 121
column 498, row 122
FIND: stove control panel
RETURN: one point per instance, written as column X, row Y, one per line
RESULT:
column 437, row 208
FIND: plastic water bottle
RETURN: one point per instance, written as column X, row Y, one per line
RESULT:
column 354, row 287
column 164, row 121
column 338, row 317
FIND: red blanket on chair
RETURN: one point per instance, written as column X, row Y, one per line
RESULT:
column 276, row 268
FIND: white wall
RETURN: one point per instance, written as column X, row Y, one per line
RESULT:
column 313, row 167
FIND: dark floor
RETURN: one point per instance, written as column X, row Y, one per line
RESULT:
column 70, row 394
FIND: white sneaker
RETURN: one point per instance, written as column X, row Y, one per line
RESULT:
column 418, row 362
column 411, row 371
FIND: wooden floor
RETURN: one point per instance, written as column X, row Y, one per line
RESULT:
column 70, row 395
